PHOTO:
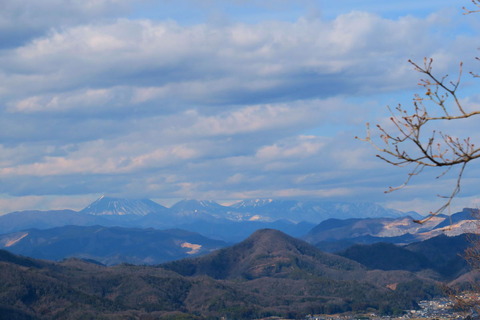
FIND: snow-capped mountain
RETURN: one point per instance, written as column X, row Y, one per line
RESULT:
column 116, row 206
column 311, row 211
column 253, row 203
column 395, row 230
column 355, row 228
column 265, row 210
column 198, row 209
column 192, row 205
column 335, row 220
column 247, row 210
column 465, row 221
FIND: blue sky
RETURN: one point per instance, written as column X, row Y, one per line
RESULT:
column 220, row 100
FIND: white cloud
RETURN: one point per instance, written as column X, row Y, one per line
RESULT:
column 258, row 118
column 97, row 102
column 305, row 146
column 11, row 204
column 101, row 158
column 23, row 20
column 246, row 59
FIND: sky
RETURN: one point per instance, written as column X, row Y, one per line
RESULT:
column 219, row 100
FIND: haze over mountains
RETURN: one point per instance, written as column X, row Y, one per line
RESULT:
column 259, row 209
column 236, row 222
column 269, row 273
column 109, row 245
column 228, row 223
column 139, row 212
column 112, row 230
column 318, row 264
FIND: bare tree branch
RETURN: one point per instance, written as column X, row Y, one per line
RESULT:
column 475, row 3
column 413, row 143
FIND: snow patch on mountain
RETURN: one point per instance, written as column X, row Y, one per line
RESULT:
column 455, row 229
column 311, row 211
column 400, row 227
column 254, row 203
column 120, row 207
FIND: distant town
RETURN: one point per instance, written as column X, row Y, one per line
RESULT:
column 435, row 309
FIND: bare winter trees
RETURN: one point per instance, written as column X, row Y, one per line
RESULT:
column 413, row 137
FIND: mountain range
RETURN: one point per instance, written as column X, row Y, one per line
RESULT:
column 214, row 221
column 381, row 264
column 442, row 255
column 109, row 246
column 230, row 223
column 336, row 234
column 267, row 210
column 115, row 245
column 268, row 274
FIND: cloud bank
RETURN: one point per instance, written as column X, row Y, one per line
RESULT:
column 97, row 98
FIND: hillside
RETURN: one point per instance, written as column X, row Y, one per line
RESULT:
column 109, row 245
column 446, row 254
column 442, row 255
column 386, row 256
column 335, row 235
column 274, row 263
column 360, row 230
column 275, row 275
column 265, row 253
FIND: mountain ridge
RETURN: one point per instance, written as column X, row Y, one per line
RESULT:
column 109, row 245
column 267, row 252
column 401, row 230
column 247, row 210
column 74, row 288
column 235, row 222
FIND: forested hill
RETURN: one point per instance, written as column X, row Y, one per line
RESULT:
column 276, row 275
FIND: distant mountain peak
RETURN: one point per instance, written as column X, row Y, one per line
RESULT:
column 253, row 203
column 198, row 208
column 118, row 206
column 311, row 210
column 191, row 204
